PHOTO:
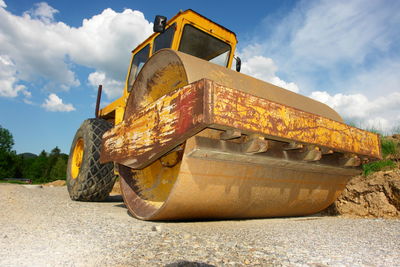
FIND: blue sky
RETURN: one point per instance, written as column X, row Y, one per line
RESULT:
column 53, row 54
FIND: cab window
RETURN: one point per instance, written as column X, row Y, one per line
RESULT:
column 137, row 63
column 202, row 45
column 164, row 40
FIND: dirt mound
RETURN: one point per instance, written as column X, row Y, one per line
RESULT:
column 56, row 183
column 377, row 195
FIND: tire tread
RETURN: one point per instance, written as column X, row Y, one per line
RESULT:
column 95, row 182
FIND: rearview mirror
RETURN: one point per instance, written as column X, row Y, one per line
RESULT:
column 238, row 64
column 159, row 23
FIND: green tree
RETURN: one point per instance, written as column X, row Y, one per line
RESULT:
column 52, row 160
column 18, row 166
column 7, row 156
column 41, row 169
column 58, row 172
column 7, row 167
column 6, row 140
column 27, row 166
column 38, row 168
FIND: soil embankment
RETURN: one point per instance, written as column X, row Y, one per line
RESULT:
column 376, row 195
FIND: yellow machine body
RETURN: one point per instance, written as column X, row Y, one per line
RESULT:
column 194, row 139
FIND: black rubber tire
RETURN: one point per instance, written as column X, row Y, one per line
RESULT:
column 95, row 180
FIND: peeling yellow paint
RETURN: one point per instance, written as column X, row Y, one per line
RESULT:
column 156, row 125
column 247, row 112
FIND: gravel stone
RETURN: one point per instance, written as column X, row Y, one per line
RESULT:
column 43, row 227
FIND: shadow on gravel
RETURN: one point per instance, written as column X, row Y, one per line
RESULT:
column 122, row 205
column 188, row 264
column 201, row 220
column 317, row 216
column 116, row 198
column 204, row 220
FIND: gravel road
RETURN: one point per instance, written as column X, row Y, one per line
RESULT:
column 43, row 227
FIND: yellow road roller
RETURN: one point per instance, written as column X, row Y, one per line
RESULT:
column 190, row 138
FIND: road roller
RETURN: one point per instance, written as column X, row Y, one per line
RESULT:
column 193, row 138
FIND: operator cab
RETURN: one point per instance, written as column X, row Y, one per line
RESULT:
column 190, row 33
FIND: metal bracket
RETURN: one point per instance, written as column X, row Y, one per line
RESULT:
column 350, row 160
column 326, row 151
column 311, row 153
column 293, row 146
column 255, row 144
column 231, row 134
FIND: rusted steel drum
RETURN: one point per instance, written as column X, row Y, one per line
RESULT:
column 206, row 188
column 168, row 70
column 184, row 185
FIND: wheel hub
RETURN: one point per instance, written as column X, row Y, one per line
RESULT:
column 77, row 158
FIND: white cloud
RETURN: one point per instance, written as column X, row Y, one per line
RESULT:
column 381, row 79
column 2, row 4
column 9, row 86
column 112, row 88
column 333, row 31
column 104, row 42
column 27, row 101
column 37, row 49
column 43, row 49
column 43, row 12
column 265, row 69
column 54, row 103
column 323, row 33
column 381, row 112
column 343, row 53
